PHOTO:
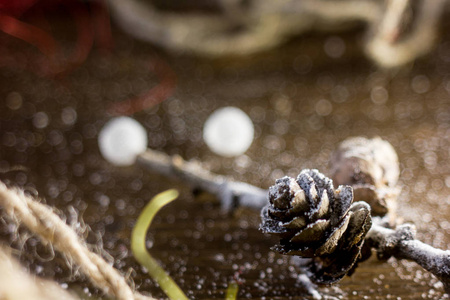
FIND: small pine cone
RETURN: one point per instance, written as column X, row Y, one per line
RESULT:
column 371, row 168
column 314, row 220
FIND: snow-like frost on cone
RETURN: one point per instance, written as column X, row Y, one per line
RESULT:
column 315, row 220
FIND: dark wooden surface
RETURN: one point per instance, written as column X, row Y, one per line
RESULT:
column 303, row 104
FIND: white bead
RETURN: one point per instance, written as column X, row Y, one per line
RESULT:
column 121, row 140
column 228, row 131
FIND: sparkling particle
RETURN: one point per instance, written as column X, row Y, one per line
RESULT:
column 121, row 140
column 228, row 132
column 14, row 101
column 40, row 120
column 68, row 116
column 379, row 95
column 55, row 137
column 334, row 47
column 340, row 94
column 420, row 84
column 447, row 181
column 9, row 140
column 323, row 107
column 302, row 64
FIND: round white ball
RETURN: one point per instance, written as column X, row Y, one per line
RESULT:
column 228, row 131
column 121, row 140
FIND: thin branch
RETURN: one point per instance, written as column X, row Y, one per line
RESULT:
column 401, row 244
column 266, row 24
column 231, row 193
column 390, row 50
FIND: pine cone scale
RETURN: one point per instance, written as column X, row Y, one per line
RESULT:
column 331, row 243
column 299, row 203
column 307, row 252
column 324, row 206
column 361, row 222
column 272, row 226
column 312, row 233
column 343, row 200
column 297, row 222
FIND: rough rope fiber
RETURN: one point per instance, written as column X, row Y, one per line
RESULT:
column 42, row 221
column 16, row 283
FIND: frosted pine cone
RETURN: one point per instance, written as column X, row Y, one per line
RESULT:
column 314, row 220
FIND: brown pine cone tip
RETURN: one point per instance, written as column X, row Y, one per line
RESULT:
column 371, row 167
column 314, row 220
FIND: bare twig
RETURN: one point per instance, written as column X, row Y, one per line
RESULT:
column 230, row 193
column 265, row 24
column 391, row 50
column 401, row 244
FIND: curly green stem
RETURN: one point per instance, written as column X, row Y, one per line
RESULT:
column 232, row 291
column 140, row 252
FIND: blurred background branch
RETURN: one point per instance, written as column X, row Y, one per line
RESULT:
column 397, row 31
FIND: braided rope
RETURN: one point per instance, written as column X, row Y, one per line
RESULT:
column 42, row 221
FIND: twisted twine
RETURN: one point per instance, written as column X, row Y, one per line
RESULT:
column 42, row 221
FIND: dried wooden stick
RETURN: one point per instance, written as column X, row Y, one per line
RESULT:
column 231, row 193
column 265, row 24
column 401, row 244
